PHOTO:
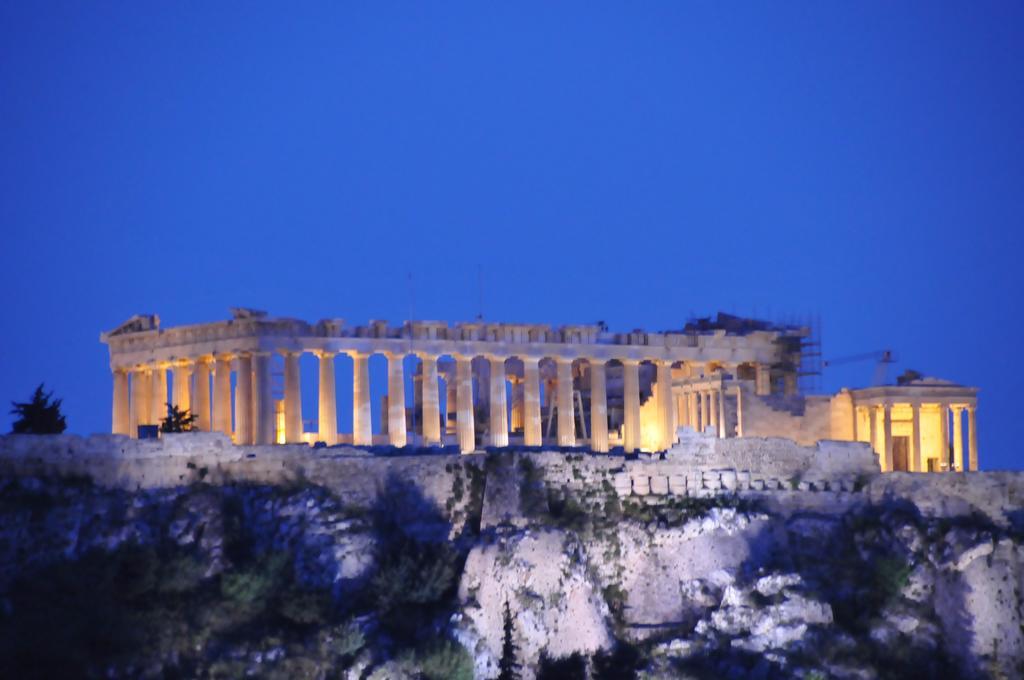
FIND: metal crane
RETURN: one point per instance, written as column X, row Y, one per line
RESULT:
column 882, row 357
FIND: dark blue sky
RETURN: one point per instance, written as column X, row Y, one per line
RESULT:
column 635, row 163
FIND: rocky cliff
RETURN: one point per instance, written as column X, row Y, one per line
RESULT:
column 759, row 559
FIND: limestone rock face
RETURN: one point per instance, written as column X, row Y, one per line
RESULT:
column 559, row 608
column 722, row 559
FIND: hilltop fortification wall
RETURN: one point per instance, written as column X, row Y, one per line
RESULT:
column 827, row 476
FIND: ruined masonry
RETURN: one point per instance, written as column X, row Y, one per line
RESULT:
column 480, row 384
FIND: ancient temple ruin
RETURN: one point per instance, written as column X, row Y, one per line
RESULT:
column 483, row 384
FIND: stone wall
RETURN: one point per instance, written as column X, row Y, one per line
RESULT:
column 761, row 420
column 699, row 465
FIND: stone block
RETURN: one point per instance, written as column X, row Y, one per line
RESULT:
column 677, row 484
column 659, row 485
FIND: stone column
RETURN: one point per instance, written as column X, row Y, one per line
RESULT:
column 499, row 403
column 181, row 389
column 917, row 462
column 464, row 421
column 566, row 415
column 705, row 410
column 919, row 441
column 243, row 399
column 739, row 411
column 396, row 400
column 762, row 380
column 666, row 403
column 292, row 398
column 264, row 420
column 201, row 394
column 598, row 407
column 684, row 410
column 720, row 398
column 631, row 404
column 120, row 418
column 972, row 438
column 516, row 425
column 362, row 424
column 531, row 402
column 887, row 434
column 222, row 393
column 693, row 405
column 430, row 400
column 944, row 436
column 139, row 408
column 873, row 434
column 158, row 395
column 327, row 398
column 958, row 439
column 713, row 408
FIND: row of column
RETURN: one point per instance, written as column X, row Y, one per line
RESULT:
column 142, row 399
column 883, row 444
column 254, row 421
column 703, row 408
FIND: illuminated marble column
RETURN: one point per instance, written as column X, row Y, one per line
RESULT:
column 362, row 424
column 222, row 393
column 598, row 406
column 201, row 394
column 631, row 404
column 158, row 395
column 873, row 433
column 762, row 380
column 684, row 410
column 531, row 402
column 887, row 436
column 739, row 411
column 120, row 418
column 499, row 403
column 972, row 438
column 243, row 399
column 516, row 424
column 139, row 407
column 264, row 425
column 327, row 398
column 917, row 462
column 694, row 409
column 705, row 410
column 566, row 417
column 721, row 413
column 430, row 400
column 958, row 438
column 944, row 436
column 465, row 424
column 292, row 398
column 181, row 389
column 396, row 400
column 713, row 408
column 666, row 404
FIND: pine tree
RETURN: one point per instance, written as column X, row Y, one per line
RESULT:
column 40, row 415
column 177, row 420
column 508, row 666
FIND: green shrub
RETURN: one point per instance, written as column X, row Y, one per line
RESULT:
column 255, row 584
column 445, row 660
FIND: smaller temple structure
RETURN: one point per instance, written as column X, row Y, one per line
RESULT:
column 492, row 384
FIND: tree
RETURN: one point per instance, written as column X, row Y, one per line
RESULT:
column 177, row 420
column 40, row 415
column 508, row 667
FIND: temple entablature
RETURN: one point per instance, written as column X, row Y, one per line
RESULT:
column 141, row 341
